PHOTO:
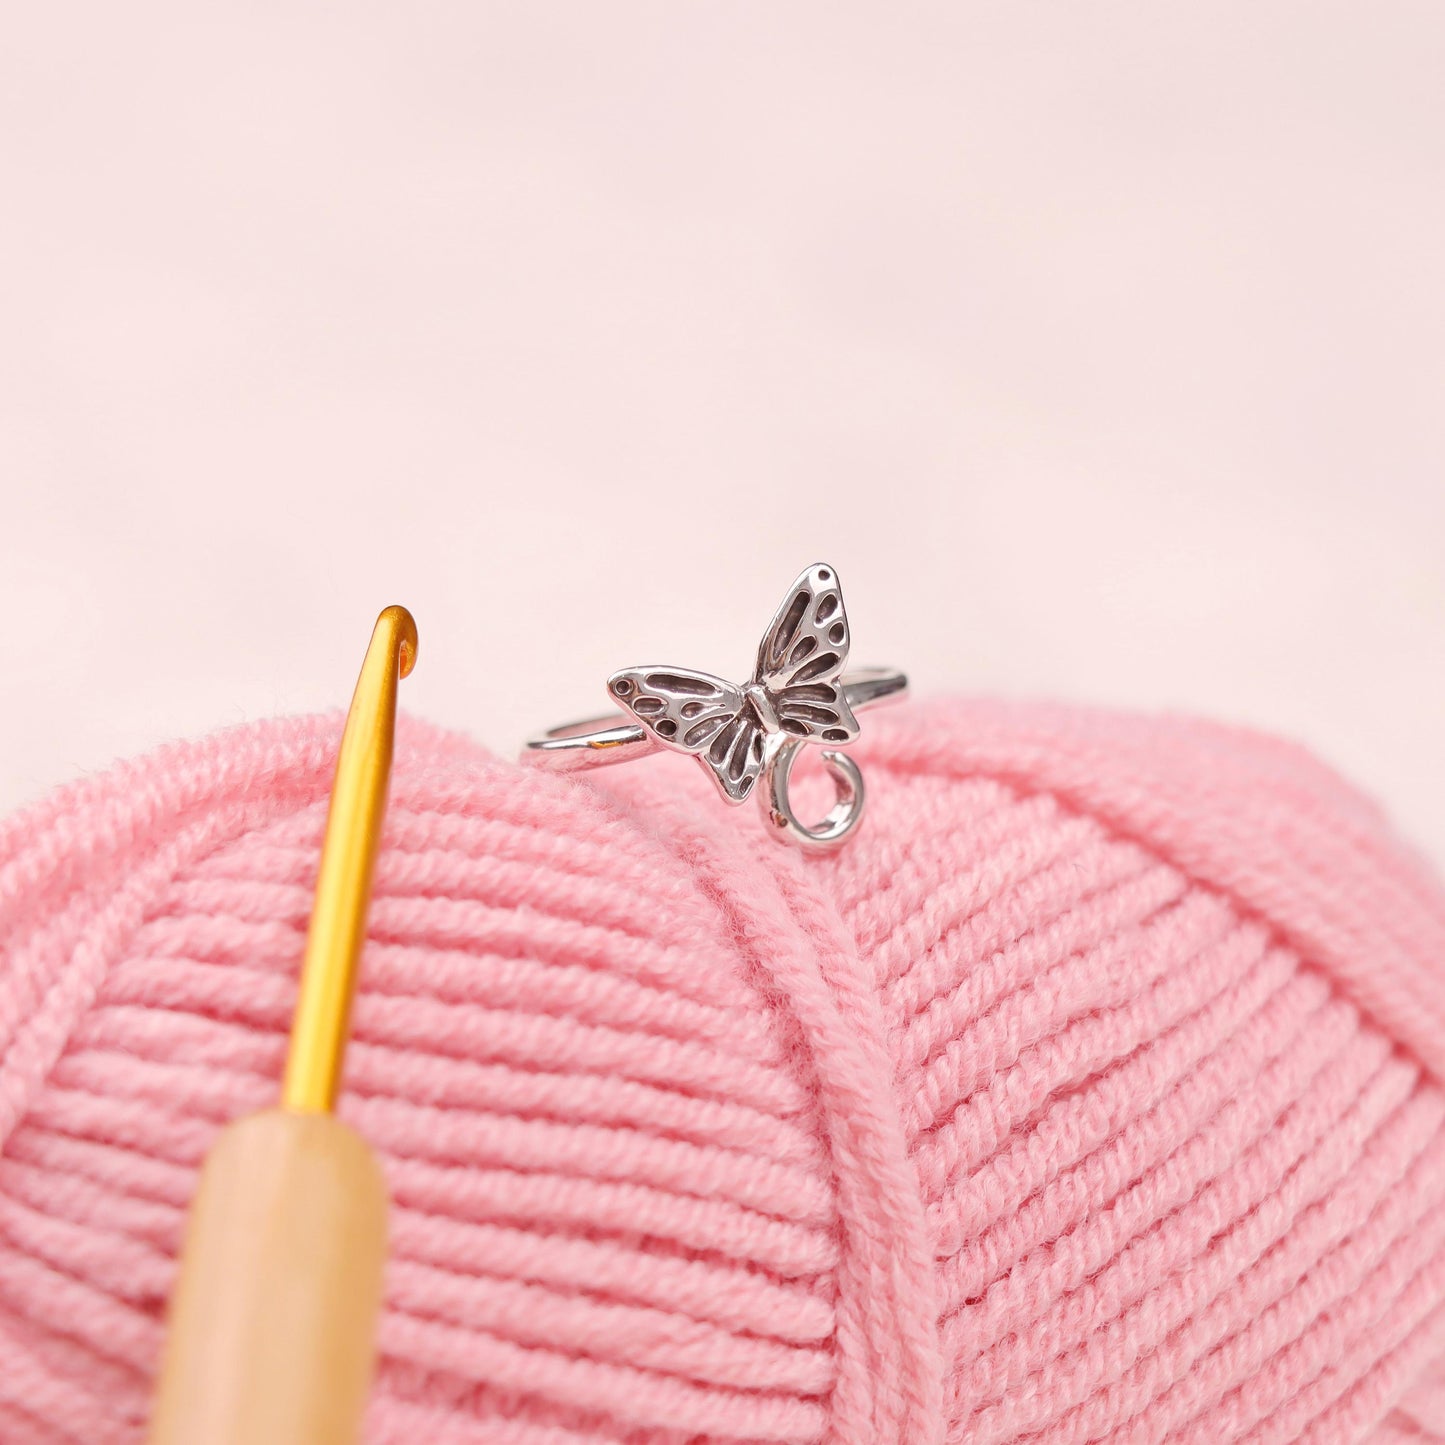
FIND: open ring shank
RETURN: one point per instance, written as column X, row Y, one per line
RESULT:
column 596, row 742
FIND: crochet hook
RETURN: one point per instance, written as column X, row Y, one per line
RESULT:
column 273, row 1317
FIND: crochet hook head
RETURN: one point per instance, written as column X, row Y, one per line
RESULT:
column 348, row 857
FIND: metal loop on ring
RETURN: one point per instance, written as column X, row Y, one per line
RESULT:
column 840, row 819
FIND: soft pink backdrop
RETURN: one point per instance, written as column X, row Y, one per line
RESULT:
column 1101, row 347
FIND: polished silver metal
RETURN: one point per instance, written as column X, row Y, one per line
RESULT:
column 840, row 820
column 749, row 733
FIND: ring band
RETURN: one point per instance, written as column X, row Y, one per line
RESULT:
column 747, row 736
column 600, row 741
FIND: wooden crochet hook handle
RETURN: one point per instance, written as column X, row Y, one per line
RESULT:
column 273, row 1318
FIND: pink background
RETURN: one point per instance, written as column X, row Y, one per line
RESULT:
column 1099, row 347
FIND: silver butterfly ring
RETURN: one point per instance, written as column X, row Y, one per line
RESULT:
column 751, row 733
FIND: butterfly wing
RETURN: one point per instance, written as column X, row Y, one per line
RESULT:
column 802, row 657
column 696, row 713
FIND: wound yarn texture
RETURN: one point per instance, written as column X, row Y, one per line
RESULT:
column 1092, row 1092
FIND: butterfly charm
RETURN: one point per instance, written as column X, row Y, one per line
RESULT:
column 795, row 692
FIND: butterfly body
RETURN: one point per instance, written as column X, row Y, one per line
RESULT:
column 795, row 692
column 762, row 706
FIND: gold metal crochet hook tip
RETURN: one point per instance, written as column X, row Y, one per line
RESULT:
column 348, row 858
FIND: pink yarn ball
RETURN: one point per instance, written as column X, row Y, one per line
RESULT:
column 1092, row 1092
